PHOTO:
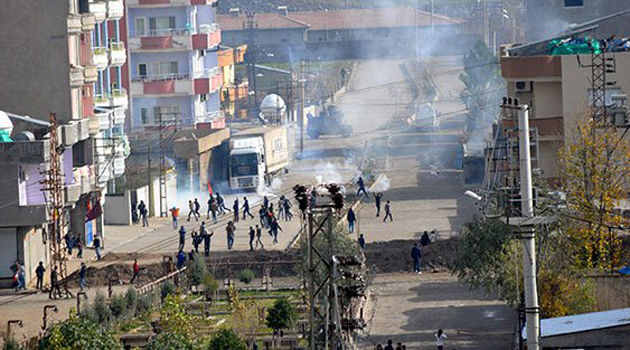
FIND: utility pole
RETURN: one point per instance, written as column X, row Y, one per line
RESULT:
column 301, row 111
column 150, row 181
column 55, row 206
column 528, row 234
column 250, row 25
column 432, row 20
column 162, row 184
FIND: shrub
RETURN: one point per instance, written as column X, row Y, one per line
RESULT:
column 118, row 305
column 170, row 341
column 281, row 315
column 131, row 296
column 246, row 276
column 210, row 284
column 101, row 312
column 145, row 304
column 168, row 288
column 10, row 344
column 226, row 339
column 77, row 333
column 196, row 271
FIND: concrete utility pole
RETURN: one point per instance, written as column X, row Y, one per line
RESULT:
column 301, row 111
column 528, row 234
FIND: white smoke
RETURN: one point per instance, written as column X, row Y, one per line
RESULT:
column 382, row 184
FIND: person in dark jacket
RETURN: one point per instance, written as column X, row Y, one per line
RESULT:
column 252, row 235
column 416, row 255
column 377, row 203
column 82, row 274
column 97, row 247
column 361, row 241
column 352, row 218
column 182, row 238
column 39, row 272
column 54, row 284
column 425, row 240
column 246, row 209
column 235, row 207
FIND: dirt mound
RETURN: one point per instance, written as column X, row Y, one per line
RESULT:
column 395, row 256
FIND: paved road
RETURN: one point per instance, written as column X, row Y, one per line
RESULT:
column 411, row 308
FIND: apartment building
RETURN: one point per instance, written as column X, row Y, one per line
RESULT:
column 557, row 88
column 66, row 57
column 174, row 70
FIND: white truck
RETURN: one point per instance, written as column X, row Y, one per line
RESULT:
column 256, row 156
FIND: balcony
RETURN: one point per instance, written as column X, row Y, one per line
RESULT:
column 115, row 9
column 167, row 84
column 117, row 54
column 90, row 74
column 208, row 81
column 209, row 36
column 167, row 3
column 119, row 165
column 74, row 24
column 117, row 98
column 99, row 57
column 76, row 77
column 99, row 10
column 87, row 22
column 178, row 39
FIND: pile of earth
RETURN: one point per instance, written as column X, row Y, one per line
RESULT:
column 395, row 256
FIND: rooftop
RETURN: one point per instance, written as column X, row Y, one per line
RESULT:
column 341, row 19
column 550, row 327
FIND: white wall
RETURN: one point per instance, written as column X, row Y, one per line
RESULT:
column 118, row 209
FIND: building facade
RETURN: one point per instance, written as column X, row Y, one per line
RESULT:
column 174, row 71
column 69, row 61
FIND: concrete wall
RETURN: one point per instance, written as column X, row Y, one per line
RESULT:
column 33, row 250
column 35, row 66
column 13, row 214
column 117, row 209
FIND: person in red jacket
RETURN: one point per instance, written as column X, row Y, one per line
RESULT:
column 136, row 270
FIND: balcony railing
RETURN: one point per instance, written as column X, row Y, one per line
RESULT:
column 115, row 9
column 161, row 77
column 162, row 32
column 99, row 9
column 99, row 57
column 117, row 54
column 116, row 98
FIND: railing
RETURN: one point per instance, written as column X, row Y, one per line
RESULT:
column 117, row 46
column 162, row 32
column 148, row 288
column 100, row 98
column 207, row 73
column 209, row 28
column 99, row 50
column 160, row 77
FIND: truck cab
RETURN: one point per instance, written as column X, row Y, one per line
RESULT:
column 247, row 163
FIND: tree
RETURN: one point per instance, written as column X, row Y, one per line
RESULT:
column 226, row 339
column 247, row 316
column 281, row 315
column 196, row 271
column 174, row 318
column 78, row 334
column 594, row 167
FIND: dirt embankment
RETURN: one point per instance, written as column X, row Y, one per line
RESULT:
column 385, row 257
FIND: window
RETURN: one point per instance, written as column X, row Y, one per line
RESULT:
column 142, row 70
column 144, row 115
column 164, row 68
column 203, row 97
column 573, row 3
column 141, row 26
column 202, row 53
column 170, row 114
column 161, row 25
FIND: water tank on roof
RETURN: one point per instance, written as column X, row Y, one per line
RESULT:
column 274, row 108
column 5, row 123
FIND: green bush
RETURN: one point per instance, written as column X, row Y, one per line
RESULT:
column 168, row 288
column 76, row 333
column 100, row 309
column 246, row 276
column 118, row 305
column 10, row 344
column 210, row 284
column 281, row 315
column 170, row 341
column 131, row 296
column 145, row 304
column 226, row 339
column 196, row 271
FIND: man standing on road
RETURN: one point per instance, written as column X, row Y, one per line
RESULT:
column 235, row 208
column 361, row 241
column 182, row 238
column 361, row 185
column 210, row 202
column 389, row 345
column 54, row 284
column 230, row 234
column 97, row 247
column 259, row 237
column 252, row 234
column 136, row 270
column 79, row 247
column 352, row 218
column 440, row 339
column 262, row 213
column 416, row 255
column 207, row 242
column 286, row 204
column 191, row 211
column 82, row 274
column 388, row 212
column 377, row 203
column 273, row 229
column 246, row 209
column 221, row 204
column 281, row 208
column 197, row 208
column 143, row 213
column 39, row 272
column 265, row 202
column 175, row 215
